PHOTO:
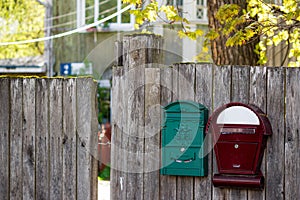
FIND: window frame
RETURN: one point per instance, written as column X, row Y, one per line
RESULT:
column 114, row 26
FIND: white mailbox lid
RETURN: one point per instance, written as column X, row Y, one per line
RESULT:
column 238, row 115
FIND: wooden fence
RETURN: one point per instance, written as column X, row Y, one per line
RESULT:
column 48, row 139
column 141, row 86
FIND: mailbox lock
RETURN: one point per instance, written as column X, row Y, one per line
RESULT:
column 236, row 146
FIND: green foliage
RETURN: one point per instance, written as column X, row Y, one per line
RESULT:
column 270, row 23
column 104, row 174
column 103, row 104
column 21, row 20
column 152, row 12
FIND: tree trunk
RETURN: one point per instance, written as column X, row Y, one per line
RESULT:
column 221, row 54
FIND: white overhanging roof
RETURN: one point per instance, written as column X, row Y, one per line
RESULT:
column 34, row 64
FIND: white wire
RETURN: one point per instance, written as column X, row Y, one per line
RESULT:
column 68, row 32
column 74, row 12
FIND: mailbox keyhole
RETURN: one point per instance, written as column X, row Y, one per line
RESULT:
column 236, row 146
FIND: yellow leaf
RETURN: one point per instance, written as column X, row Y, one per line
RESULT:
column 276, row 40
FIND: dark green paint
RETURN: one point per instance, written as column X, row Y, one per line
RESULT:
column 182, row 137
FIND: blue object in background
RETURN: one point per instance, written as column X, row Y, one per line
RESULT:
column 65, row 69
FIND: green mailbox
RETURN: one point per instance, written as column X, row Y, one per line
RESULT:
column 182, row 137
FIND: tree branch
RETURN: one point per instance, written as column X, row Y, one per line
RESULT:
column 287, row 50
column 43, row 3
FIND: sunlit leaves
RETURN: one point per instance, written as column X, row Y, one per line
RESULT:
column 272, row 24
column 190, row 34
column 145, row 14
column 227, row 12
column 150, row 13
column 19, row 22
column 170, row 11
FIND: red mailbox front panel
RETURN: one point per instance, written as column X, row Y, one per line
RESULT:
column 236, row 157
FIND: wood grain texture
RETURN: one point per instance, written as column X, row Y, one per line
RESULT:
column 186, row 83
column 175, row 86
column 240, row 84
column 221, row 95
column 258, row 97
column 203, row 94
column 16, row 134
column 167, row 183
column 55, row 132
column 152, row 118
column 116, row 138
column 42, row 139
column 38, row 139
column 292, row 137
column 29, row 139
column 4, row 137
column 86, row 139
column 69, row 139
column 136, row 118
column 152, row 133
column 124, row 132
column 94, row 141
column 274, row 182
column 119, row 136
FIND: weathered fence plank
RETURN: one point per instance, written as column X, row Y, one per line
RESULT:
column 275, row 152
column 42, row 139
column 16, row 134
column 29, row 139
column 152, row 133
column 292, row 138
column 4, row 137
column 135, row 142
column 167, row 183
column 116, row 142
column 125, row 135
column 136, row 118
column 116, row 138
column 240, row 84
column 69, row 139
column 221, row 95
column 86, row 140
column 175, row 86
column 186, row 83
column 203, row 94
column 258, row 97
column 55, row 132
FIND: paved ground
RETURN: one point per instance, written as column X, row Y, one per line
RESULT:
column 103, row 190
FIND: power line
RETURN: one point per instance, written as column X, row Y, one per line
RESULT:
column 68, row 32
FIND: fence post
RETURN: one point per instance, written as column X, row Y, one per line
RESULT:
column 139, row 55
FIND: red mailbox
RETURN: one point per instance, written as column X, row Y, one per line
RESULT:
column 239, row 132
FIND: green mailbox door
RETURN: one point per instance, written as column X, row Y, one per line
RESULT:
column 182, row 138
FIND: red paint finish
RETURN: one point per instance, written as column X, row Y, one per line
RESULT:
column 239, row 149
column 255, row 181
